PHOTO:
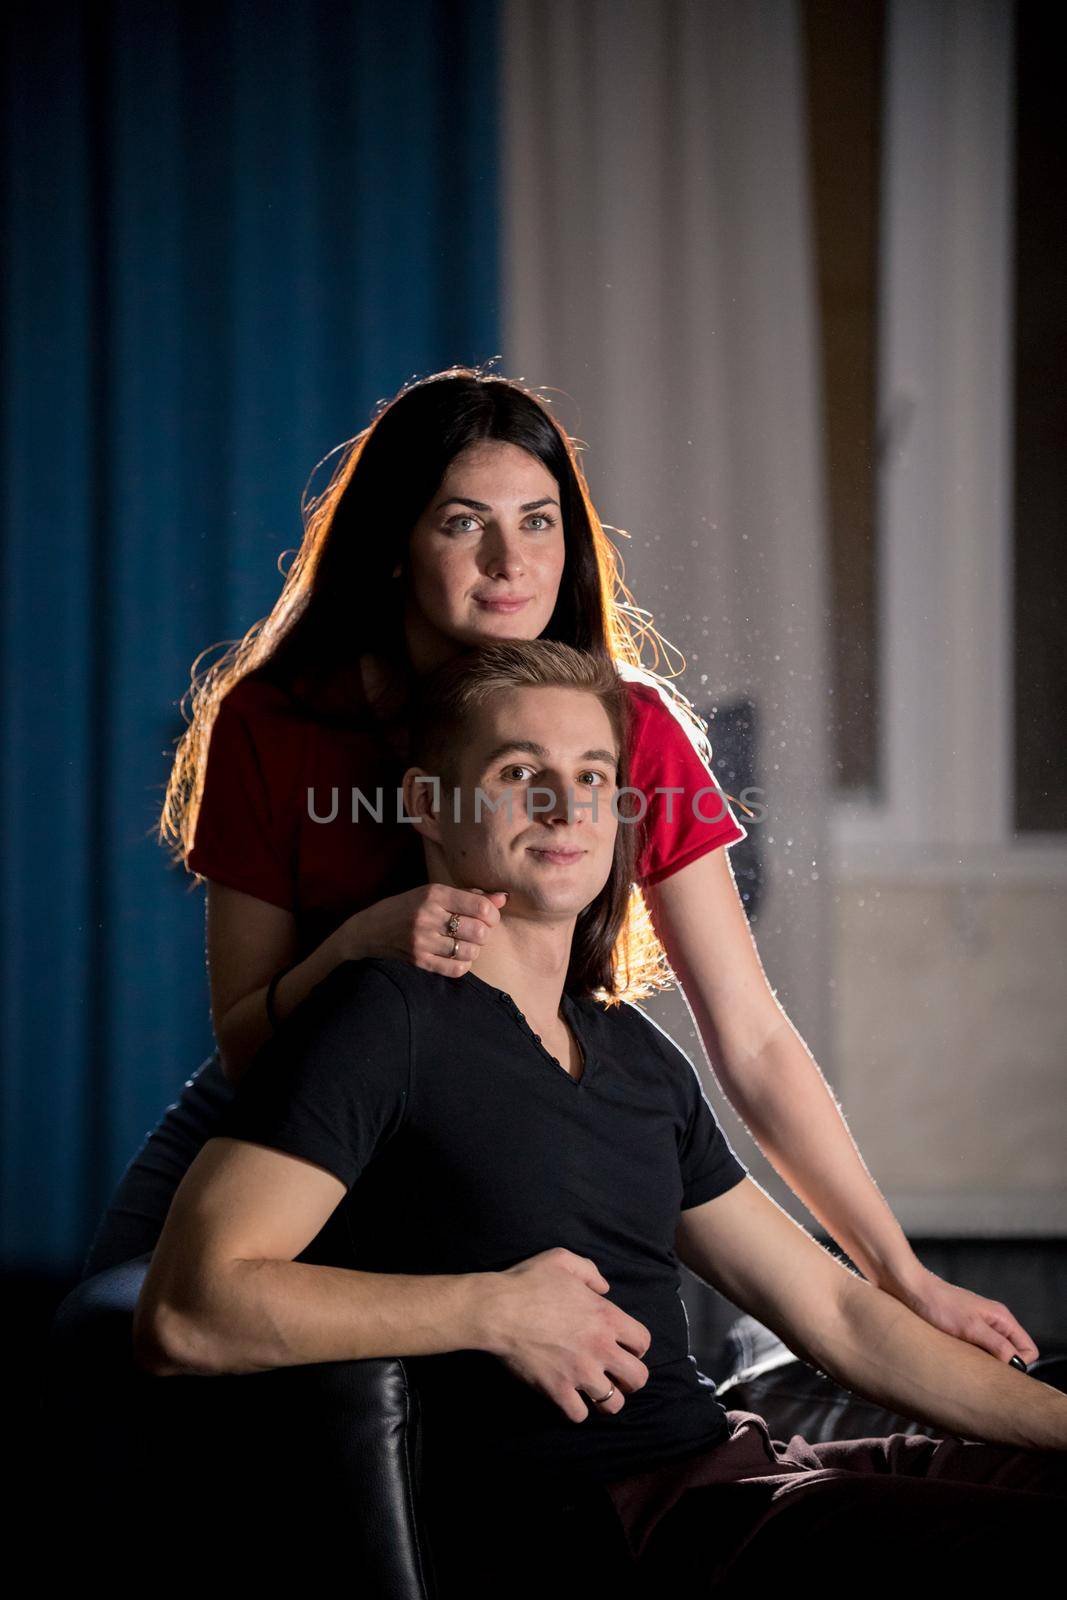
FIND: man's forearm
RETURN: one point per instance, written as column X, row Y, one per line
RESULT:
column 255, row 1315
column 881, row 1349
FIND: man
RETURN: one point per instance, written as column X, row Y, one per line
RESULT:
column 497, row 1175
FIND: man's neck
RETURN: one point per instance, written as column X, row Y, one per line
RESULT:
column 529, row 961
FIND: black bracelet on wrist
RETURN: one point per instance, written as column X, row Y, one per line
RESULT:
column 272, row 1015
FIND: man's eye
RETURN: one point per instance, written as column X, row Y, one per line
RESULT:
column 601, row 779
column 509, row 772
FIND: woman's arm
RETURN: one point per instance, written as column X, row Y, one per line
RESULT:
column 249, row 940
column 774, row 1084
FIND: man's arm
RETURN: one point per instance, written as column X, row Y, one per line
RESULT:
column 323, row 1096
column 745, row 1245
column 224, row 1294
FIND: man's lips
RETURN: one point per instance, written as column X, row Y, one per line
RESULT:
column 560, row 858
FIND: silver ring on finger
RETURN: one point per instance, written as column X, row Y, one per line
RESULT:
column 452, row 926
column 598, row 1400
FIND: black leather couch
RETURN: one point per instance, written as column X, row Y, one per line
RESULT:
column 247, row 1474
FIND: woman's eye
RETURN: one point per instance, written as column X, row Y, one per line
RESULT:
column 538, row 516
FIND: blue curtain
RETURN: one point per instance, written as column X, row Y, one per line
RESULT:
column 229, row 229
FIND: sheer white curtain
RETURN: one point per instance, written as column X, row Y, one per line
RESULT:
column 658, row 272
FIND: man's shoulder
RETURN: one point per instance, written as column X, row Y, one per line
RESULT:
column 374, row 983
column 626, row 1020
column 395, row 980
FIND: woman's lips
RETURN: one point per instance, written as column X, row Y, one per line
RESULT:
column 503, row 606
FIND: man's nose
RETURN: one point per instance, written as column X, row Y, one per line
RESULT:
column 565, row 806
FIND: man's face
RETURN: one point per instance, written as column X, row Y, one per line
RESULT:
column 544, row 750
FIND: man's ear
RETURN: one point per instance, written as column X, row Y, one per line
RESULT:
column 422, row 799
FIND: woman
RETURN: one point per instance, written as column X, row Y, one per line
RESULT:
column 461, row 516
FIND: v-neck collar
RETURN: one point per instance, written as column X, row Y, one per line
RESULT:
column 572, row 1014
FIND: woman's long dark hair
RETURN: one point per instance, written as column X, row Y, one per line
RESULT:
column 383, row 489
column 339, row 602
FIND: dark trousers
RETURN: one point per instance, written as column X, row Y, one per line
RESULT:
column 858, row 1514
column 134, row 1218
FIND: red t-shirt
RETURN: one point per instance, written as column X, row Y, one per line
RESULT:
column 270, row 785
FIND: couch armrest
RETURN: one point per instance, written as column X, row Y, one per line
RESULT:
column 291, row 1456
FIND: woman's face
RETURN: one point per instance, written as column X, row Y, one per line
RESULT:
column 486, row 556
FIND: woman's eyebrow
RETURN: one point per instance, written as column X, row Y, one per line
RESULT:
column 480, row 505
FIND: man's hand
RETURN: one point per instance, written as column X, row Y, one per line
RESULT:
column 547, row 1321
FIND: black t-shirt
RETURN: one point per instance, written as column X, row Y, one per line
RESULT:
column 466, row 1147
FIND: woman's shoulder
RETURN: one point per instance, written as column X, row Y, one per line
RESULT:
column 274, row 714
column 645, row 688
column 334, row 702
column 656, row 713
column 258, row 728
column 257, row 695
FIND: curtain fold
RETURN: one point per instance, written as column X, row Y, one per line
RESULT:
column 660, row 276
column 229, row 230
